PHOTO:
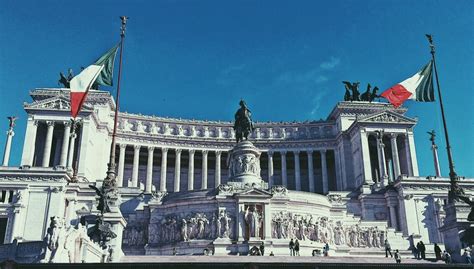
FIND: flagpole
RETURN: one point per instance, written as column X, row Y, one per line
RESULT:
column 110, row 179
column 455, row 188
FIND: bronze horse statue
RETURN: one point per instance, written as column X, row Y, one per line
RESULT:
column 368, row 96
column 243, row 124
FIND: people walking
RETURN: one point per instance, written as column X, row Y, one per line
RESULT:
column 422, row 250
column 437, row 251
column 398, row 257
column 297, row 248
column 292, row 247
column 388, row 249
column 262, row 248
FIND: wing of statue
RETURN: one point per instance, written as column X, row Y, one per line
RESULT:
column 347, row 84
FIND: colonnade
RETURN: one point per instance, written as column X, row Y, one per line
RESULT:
column 67, row 144
column 177, row 178
column 382, row 167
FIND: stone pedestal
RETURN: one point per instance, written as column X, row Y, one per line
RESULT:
column 118, row 224
column 455, row 223
column 244, row 165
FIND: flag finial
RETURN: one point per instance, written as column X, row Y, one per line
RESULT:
column 430, row 39
column 124, row 22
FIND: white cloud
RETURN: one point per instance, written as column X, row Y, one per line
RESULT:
column 330, row 64
column 316, row 101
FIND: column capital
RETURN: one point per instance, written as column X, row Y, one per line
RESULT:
column 393, row 136
column 150, row 149
column 192, row 151
column 283, row 152
column 50, row 123
column 164, row 150
column 323, row 151
column 205, row 152
column 296, row 152
column 35, row 122
column 218, row 153
column 122, row 146
column 309, row 152
column 67, row 123
column 136, row 147
column 270, row 153
column 178, row 151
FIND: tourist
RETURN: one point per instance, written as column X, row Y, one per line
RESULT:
column 416, row 251
column 398, row 257
column 446, row 257
column 262, row 248
column 175, row 252
column 437, row 251
column 388, row 249
column 297, row 248
column 292, row 247
column 422, row 250
column 271, row 253
column 326, row 250
column 467, row 256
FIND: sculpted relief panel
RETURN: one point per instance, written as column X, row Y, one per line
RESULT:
column 324, row 230
column 195, row 226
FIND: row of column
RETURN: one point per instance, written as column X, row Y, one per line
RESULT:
column 284, row 175
column 67, row 147
column 411, row 162
column 164, row 164
column 218, row 154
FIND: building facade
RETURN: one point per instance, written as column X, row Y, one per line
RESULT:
column 351, row 180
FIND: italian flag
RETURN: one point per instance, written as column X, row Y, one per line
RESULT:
column 100, row 72
column 419, row 88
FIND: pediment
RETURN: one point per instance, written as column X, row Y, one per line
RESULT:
column 387, row 117
column 256, row 192
column 61, row 103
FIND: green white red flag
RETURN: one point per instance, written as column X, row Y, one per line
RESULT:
column 101, row 72
column 418, row 87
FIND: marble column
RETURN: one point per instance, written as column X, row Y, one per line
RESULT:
column 72, row 144
column 297, row 171
column 164, row 164
column 47, row 144
column 270, row 169
column 204, row 170
column 324, row 169
column 191, row 170
column 337, row 163
column 149, row 170
column 366, row 166
column 411, row 145
column 393, row 217
column 30, row 142
column 284, row 176
column 382, row 162
column 310, row 171
column 395, row 159
column 121, row 164
column 434, row 147
column 218, row 169
column 8, row 146
column 136, row 165
column 65, row 145
column 177, row 170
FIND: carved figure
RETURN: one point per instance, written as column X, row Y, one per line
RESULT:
column 184, row 230
column 12, row 120
column 243, row 124
column 103, row 194
column 354, row 88
column 53, row 240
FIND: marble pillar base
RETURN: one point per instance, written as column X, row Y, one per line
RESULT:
column 455, row 223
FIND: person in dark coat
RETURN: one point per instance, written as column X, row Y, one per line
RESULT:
column 292, row 247
column 297, row 248
column 422, row 250
column 416, row 251
column 262, row 248
column 388, row 249
column 437, row 251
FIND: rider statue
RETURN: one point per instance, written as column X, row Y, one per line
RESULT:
column 243, row 125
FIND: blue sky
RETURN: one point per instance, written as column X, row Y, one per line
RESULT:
column 196, row 59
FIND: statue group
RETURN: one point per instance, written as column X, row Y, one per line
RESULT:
column 353, row 94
